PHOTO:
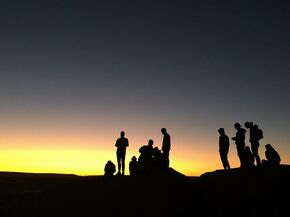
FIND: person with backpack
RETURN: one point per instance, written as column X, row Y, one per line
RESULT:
column 255, row 135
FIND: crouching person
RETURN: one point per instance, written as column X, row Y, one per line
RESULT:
column 110, row 168
column 272, row 157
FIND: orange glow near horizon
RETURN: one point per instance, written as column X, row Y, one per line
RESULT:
column 78, row 162
column 84, row 153
column 89, row 162
column 75, row 153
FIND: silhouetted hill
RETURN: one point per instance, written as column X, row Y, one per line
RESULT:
column 29, row 194
column 257, row 192
column 246, row 192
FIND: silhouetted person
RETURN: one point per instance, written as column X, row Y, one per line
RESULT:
column 255, row 135
column 159, row 163
column 224, row 144
column 133, row 166
column 272, row 156
column 110, row 168
column 248, row 158
column 122, row 143
column 240, row 141
column 166, row 145
column 146, row 158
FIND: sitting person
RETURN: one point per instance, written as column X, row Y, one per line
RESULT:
column 248, row 158
column 133, row 166
column 159, row 162
column 272, row 156
column 110, row 168
column 146, row 158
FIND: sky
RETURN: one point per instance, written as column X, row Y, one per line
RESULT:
column 74, row 74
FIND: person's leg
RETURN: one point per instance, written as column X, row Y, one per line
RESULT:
column 240, row 151
column 227, row 162
column 166, row 158
column 254, row 148
column 123, row 155
column 223, row 159
column 119, row 162
column 123, row 164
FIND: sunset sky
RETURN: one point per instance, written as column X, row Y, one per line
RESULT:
column 74, row 73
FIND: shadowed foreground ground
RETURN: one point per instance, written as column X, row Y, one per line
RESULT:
column 257, row 192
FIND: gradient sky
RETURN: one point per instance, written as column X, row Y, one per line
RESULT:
column 73, row 74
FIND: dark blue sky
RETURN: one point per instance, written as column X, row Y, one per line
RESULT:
column 193, row 63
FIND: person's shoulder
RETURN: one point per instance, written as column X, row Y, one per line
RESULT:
column 142, row 148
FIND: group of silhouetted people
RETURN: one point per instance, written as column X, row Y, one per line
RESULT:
column 152, row 160
column 248, row 156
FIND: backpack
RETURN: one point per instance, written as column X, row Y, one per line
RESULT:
column 260, row 134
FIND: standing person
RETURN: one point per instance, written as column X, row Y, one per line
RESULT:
column 240, row 142
column 224, row 144
column 255, row 135
column 166, row 145
column 122, row 143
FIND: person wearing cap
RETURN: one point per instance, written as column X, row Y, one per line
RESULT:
column 255, row 135
column 224, row 144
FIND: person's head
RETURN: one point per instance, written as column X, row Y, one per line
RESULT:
column 247, row 148
column 122, row 133
column 163, row 131
column 150, row 142
column 221, row 131
column 268, row 146
column 156, row 149
column 248, row 124
column 134, row 158
column 237, row 126
column 109, row 164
